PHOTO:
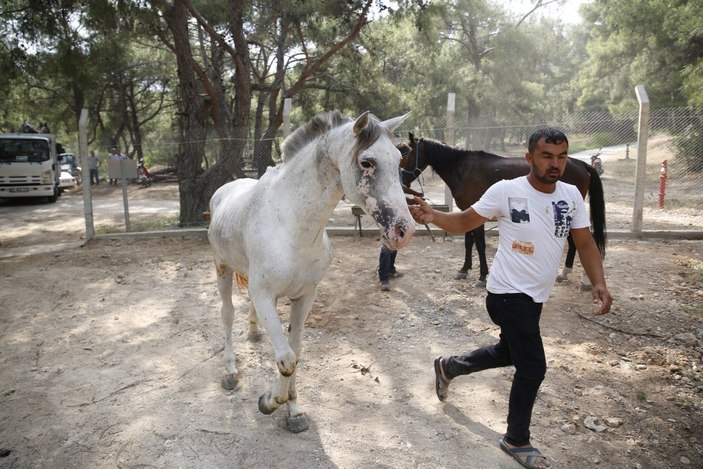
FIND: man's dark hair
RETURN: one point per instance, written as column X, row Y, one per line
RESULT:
column 404, row 148
column 549, row 134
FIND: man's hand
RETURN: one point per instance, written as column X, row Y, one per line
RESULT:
column 601, row 296
column 421, row 211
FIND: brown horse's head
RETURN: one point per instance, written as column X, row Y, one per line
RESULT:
column 415, row 162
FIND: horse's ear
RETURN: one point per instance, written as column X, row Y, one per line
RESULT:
column 411, row 137
column 392, row 124
column 361, row 122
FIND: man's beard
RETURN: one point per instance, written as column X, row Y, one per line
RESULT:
column 549, row 176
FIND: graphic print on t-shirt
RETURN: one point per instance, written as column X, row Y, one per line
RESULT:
column 519, row 211
column 563, row 215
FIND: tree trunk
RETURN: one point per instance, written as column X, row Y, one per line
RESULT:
column 191, row 111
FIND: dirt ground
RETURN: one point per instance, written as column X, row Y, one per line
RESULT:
column 111, row 356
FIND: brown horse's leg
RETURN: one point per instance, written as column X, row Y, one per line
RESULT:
column 570, row 253
column 480, row 238
column 569, row 263
column 468, row 246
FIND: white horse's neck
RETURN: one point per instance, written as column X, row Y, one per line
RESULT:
column 312, row 185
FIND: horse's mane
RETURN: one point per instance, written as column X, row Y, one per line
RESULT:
column 325, row 122
column 317, row 126
column 446, row 157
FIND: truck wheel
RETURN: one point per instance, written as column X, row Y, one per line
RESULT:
column 53, row 198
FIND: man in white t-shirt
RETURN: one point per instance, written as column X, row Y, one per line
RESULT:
column 535, row 214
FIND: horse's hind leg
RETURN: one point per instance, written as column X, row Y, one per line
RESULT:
column 224, row 288
column 569, row 263
column 296, row 421
column 468, row 246
column 480, row 238
column 253, row 334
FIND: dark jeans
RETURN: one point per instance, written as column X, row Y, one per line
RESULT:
column 386, row 263
column 94, row 176
column 520, row 345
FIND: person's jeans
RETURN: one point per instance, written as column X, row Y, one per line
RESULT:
column 520, row 345
column 386, row 263
column 94, row 176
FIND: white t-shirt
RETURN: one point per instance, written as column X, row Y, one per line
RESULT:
column 533, row 228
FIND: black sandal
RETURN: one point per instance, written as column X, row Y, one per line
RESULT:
column 527, row 457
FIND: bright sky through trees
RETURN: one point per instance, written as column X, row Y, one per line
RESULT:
column 566, row 10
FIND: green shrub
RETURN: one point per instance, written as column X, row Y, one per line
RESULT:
column 689, row 146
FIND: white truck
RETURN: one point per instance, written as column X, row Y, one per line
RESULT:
column 29, row 166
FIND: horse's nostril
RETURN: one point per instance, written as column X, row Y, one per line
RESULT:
column 403, row 231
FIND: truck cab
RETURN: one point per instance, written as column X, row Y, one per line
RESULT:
column 29, row 166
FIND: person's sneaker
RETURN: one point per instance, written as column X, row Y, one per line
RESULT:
column 440, row 379
column 396, row 274
column 385, row 286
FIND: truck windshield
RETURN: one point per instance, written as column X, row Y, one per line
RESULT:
column 17, row 150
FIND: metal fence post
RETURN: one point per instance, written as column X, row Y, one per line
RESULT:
column 87, row 193
column 449, row 137
column 287, row 104
column 641, row 168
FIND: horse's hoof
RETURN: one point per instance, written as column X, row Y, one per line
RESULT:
column 229, row 382
column 563, row 276
column 262, row 403
column 297, row 424
column 254, row 337
column 480, row 284
column 461, row 275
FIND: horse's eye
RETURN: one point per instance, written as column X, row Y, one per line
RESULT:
column 366, row 164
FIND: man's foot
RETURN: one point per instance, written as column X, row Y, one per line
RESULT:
column 396, row 274
column 527, row 456
column 384, row 286
column 440, row 379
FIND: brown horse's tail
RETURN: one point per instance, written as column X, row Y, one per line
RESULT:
column 597, row 202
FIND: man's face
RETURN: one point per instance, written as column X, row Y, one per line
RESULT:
column 548, row 161
column 403, row 160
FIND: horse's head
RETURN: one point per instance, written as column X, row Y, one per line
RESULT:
column 371, row 179
column 416, row 161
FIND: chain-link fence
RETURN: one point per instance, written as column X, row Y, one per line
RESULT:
column 673, row 192
column 673, row 195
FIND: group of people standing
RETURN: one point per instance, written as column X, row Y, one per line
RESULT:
column 531, row 242
column 94, row 164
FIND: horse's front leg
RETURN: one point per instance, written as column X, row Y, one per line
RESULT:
column 296, row 421
column 286, row 360
column 224, row 288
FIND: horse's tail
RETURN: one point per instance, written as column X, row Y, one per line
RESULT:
column 597, row 202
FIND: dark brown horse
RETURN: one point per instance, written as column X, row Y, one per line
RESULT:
column 468, row 174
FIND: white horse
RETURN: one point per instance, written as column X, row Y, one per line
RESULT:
column 271, row 232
